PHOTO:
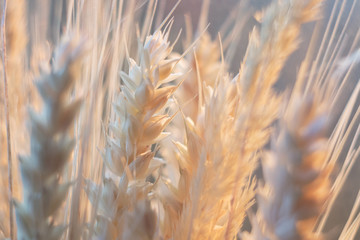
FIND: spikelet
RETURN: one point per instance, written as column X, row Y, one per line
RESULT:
column 140, row 124
column 50, row 147
column 205, row 66
column 297, row 182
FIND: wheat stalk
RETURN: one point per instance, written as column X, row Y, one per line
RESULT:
column 7, row 120
column 50, row 147
column 15, row 46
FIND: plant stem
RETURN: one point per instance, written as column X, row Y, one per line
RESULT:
column 6, row 101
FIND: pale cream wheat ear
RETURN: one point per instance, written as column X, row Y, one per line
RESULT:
column 50, row 148
column 140, row 122
column 297, row 178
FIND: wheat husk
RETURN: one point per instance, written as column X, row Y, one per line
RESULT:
column 50, row 148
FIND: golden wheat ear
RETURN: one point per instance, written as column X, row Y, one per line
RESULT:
column 50, row 147
column 296, row 175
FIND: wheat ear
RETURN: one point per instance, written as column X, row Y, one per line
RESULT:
column 50, row 148
column 270, row 47
column 139, row 125
column 203, row 67
column 197, row 207
column 265, row 57
column 296, row 175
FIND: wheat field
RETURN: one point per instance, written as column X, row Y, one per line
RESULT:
column 163, row 119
